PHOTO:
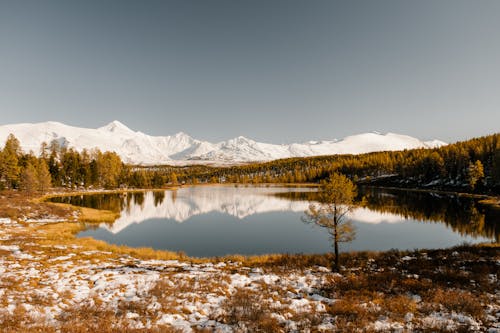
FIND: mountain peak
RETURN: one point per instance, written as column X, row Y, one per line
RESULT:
column 182, row 135
column 241, row 140
column 115, row 126
column 54, row 123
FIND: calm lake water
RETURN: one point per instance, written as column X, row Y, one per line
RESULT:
column 219, row 220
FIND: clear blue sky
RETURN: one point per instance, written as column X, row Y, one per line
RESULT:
column 275, row 71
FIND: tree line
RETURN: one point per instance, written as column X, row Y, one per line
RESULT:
column 58, row 166
column 472, row 165
column 55, row 165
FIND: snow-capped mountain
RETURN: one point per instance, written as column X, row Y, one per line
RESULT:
column 139, row 148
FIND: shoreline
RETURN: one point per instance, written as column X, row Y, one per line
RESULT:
column 52, row 281
column 483, row 199
column 94, row 216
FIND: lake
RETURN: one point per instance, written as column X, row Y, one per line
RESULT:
column 206, row 221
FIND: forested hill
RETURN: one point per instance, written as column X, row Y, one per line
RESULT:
column 472, row 165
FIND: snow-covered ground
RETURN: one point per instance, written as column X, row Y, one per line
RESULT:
column 139, row 148
column 46, row 281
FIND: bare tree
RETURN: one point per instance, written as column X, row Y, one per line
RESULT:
column 336, row 200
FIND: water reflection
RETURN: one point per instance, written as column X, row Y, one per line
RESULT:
column 218, row 220
column 462, row 214
column 159, row 197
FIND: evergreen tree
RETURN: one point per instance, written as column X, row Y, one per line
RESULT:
column 9, row 167
column 44, row 151
column 29, row 181
column 55, row 149
column 93, row 173
column 109, row 168
column 43, row 176
column 496, row 167
column 475, row 174
column 54, row 170
column 173, row 178
column 157, row 180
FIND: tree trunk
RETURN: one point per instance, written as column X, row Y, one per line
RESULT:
column 335, row 267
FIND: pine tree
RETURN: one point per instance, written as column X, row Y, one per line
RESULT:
column 475, row 174
column 44, row 179
column 9, row 167
column 29, row 181
column 173, row 178
column 109, row 168
column 44, row 150
column 496, row 167
column 55, row 149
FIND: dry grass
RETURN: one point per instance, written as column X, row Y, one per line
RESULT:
column 280, row 262
column 246, row 309
column 79, row 319
column 64, row 234
column 17, row 205
column 95, row 215
column 90, row 316
column 458, row 301
column 18, row 322
column 398, row 306
column 349, row 315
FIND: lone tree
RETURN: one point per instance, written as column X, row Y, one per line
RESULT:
column 336, row 200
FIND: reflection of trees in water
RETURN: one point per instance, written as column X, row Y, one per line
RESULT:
column 158, row 196
column 462, row 215
column 112, row 202
column 298, row 196
column 128, row 206
column 139, row 199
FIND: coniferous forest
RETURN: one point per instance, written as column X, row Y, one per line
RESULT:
column 471, row 166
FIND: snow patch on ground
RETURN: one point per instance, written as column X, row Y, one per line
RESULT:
column 196, row 293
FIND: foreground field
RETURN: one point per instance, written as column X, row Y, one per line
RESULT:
column 51, row 281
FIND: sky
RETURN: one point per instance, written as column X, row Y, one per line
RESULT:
column 274, row 71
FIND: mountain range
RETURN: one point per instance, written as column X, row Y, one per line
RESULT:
column 135, row 147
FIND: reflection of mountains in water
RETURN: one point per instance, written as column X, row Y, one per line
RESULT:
column 239, row 202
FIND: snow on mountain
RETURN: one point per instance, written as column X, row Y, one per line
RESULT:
column 139, row 148
column 435, row 143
